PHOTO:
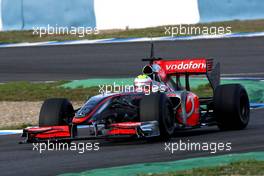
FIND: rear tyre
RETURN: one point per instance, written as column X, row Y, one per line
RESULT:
column 231, row 106
column 157, row 107
column 56, row 112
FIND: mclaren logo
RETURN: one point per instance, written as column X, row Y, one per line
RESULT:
column 186, row 66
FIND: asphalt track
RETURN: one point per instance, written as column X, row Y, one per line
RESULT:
column 18, row 159
column 238, row 55
column 241, row 56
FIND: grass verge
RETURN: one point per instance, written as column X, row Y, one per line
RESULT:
column 247, row 167
column 28, row 91
column 27, row 36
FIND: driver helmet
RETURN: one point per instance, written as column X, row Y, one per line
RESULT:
column 142, row 83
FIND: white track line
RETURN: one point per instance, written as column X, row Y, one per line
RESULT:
column 128, row 40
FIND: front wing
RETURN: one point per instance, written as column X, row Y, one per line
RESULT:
column 95, row 131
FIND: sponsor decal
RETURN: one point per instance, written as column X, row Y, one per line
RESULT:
column 185, row 66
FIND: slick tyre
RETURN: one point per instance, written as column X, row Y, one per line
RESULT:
column 157, row 107
column 56, row 112
column 231, row 107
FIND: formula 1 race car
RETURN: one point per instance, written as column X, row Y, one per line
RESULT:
column 157, row 114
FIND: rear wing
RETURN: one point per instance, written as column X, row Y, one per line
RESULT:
column 192, row 67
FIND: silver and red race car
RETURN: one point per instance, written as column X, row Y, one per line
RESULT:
column 158, row 114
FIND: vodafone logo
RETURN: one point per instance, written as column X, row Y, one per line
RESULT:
column 183, row 65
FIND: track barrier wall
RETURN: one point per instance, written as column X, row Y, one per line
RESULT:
column 112, row 14
column 116, row 14
column 26, row 14
column 1, row 27
column 226, row 10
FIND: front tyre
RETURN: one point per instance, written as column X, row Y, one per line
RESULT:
column 157, row 107
column 56, row 112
